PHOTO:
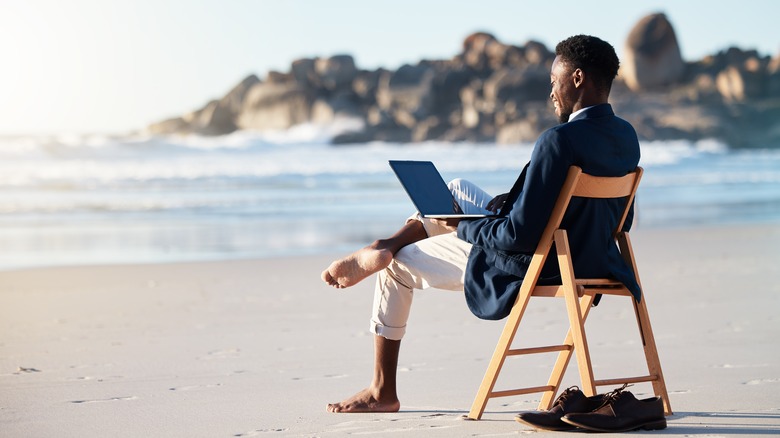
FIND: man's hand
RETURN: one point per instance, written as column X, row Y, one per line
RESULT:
column 449, row 223
column 496, row 203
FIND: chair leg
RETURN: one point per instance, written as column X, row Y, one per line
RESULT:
column 499, row 355
column 581, row 349
column 562, row 362
column 651, row 353
column 645, row 330
column 576, row 322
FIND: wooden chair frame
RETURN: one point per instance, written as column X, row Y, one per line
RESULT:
column 579, row 295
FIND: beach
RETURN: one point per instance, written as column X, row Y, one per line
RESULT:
column 258, row 347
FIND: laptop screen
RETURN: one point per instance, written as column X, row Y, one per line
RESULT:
column 426, row 188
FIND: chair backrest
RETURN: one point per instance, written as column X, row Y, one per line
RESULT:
column 588, row 186
column 580, row 184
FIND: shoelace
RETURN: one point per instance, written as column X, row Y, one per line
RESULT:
column 612, row 396
column 565, row 395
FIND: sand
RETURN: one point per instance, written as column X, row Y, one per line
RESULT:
column 258, row 347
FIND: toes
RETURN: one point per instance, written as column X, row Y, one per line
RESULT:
column 327, row 277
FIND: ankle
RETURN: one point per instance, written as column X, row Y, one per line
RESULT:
column 383, row 392
column 384, row 395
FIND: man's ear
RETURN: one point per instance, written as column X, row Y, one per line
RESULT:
column 578, row 77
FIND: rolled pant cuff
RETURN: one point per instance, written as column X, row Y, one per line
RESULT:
column 391, row 333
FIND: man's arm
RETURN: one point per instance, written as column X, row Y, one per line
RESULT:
column 522, row 228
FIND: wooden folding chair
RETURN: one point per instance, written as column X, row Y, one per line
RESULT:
column 579, row 294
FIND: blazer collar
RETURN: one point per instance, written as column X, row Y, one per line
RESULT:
column 600, row 110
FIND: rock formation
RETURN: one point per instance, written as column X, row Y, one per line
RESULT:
column 497, row 92
column 652, row 57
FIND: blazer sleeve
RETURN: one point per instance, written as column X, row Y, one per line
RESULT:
column 521, row 229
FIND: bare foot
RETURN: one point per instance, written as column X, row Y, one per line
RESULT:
column 355, row 267
column 364, row 401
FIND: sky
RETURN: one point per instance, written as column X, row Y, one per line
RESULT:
column 111, row 67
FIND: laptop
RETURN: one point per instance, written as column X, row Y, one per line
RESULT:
column 428, row 191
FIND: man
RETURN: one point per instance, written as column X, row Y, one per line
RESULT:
column 487, row 258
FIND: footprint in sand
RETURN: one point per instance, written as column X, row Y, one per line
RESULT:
column 728, row 365
column 228, row 353
column 326, row 376
column 191, row 387
column 257, row 432
column 761, row 381
column 680, row 391
column 132, row 397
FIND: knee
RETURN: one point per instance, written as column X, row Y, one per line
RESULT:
column 403, row 257
column 398, row 270
column 456, row 184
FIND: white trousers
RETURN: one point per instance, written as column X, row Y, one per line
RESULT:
column 438, row 261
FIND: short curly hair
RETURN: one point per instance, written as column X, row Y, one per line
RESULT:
column 593, row 56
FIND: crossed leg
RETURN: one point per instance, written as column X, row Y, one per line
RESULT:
column 355, row 267
column 381, row 395
column 438, row 262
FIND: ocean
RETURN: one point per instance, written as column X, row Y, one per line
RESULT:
column 89, row 199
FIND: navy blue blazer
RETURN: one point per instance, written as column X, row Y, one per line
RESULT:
column 602, row 145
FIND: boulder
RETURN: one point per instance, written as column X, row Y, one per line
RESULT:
column 213, row 119
column 175, row 125
column 336, row 72
column 537, row 53
column 774, row 65
column 379, row 117
column 500, row 55
column 404, row 118
column 528, row 122
column 365, row 85
column 409, row 88
column 472, row 105
column 737, row 84
column 773, row 77
column 652, row 56
column 233, row 101
column 221, row 117
column 475, row 50
column 343, row 104
column 216, row 118
column 277, row 77
column 273, row 106
column 429, row 129
column 518, row 85
column 303, row 72
column 448, row 82
column 520, row 131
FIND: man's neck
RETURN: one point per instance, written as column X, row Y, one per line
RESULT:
column 586, row 101
column 576, row 113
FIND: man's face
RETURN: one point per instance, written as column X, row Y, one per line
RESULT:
column 563, row 93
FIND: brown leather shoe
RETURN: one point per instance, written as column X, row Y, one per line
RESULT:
column 621, row 412
column 570, row 401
